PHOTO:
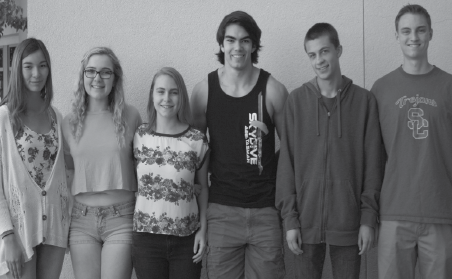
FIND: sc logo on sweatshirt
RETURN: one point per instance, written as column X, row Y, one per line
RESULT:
column 417, row 123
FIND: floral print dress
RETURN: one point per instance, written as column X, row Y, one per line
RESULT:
column 166, row 166
column 38, row 151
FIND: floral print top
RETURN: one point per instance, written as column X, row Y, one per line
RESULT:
column 38, row 151
column 166, row 166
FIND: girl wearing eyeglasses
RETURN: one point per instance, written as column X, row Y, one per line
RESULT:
column 169, row 228
column 34, row 199
column 99, row 134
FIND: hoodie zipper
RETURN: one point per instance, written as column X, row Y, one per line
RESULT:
column 323, row 210
column 323, row 206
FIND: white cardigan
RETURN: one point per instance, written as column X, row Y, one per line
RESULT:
column 36, row 215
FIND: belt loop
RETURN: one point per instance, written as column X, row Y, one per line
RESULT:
column 84, row 209
column 115, row 210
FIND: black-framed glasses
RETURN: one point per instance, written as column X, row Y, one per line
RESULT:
column 104, row 74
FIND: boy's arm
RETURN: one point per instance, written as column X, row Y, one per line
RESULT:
column 275, row 101
column 198, row 105
column 373, row 177
column 286, row 195
column 373, row 174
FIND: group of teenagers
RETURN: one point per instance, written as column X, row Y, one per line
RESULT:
column 122, row 194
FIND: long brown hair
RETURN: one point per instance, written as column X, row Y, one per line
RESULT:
column 17, row 93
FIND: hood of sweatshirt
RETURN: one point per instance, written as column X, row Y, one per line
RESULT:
column 341, row 93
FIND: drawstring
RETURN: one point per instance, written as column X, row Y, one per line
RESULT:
column 317, row 118
column 338, row 100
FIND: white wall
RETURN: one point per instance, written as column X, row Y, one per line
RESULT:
column 147, row 35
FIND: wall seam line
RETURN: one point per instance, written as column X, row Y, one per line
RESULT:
column 364, row 53
column 366, row 262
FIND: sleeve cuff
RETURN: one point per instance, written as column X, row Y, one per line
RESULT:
column 368, row 219
column 291, row 223
column 5, row 219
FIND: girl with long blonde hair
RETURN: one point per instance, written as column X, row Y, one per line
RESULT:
column 99, row 134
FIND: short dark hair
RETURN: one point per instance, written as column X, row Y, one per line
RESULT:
column 320, row 29
column 413, row 9
column 249, row 24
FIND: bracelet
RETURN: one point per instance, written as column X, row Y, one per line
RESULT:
column 8, row 233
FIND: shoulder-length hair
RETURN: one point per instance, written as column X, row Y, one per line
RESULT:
column 116, row 102
column 17, row 92
column 249, row 24
column 183, row 107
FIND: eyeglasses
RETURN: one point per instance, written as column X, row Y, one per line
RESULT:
column 90, row 73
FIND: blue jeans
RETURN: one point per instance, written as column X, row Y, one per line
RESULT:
column 160, row 256
column 345, row 261
column 244, row 243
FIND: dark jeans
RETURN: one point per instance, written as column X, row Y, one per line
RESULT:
column 164, row 256
column 345, row 261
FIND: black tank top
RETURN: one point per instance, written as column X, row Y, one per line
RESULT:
column 243, row 161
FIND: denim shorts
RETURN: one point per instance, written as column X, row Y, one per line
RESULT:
column 103, row 224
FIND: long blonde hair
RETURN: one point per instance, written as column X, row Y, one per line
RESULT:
column 183, row 110
column 116, row 102
column 17, row 92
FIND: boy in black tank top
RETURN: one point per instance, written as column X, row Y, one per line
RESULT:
column 241, row 106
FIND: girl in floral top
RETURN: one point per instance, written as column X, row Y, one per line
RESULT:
column 34, row 217
column 169, row 223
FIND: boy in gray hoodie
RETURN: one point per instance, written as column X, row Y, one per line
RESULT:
column 329, row 172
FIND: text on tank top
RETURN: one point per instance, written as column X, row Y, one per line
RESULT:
column 242, row 142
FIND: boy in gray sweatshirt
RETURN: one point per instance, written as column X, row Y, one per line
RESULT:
column 415, row 104
column 329, row 170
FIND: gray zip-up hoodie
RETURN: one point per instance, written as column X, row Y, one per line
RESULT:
column 330, row 166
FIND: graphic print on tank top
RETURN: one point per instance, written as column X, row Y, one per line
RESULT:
column 242, row 144
column 416, row 115
column 253, row 136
